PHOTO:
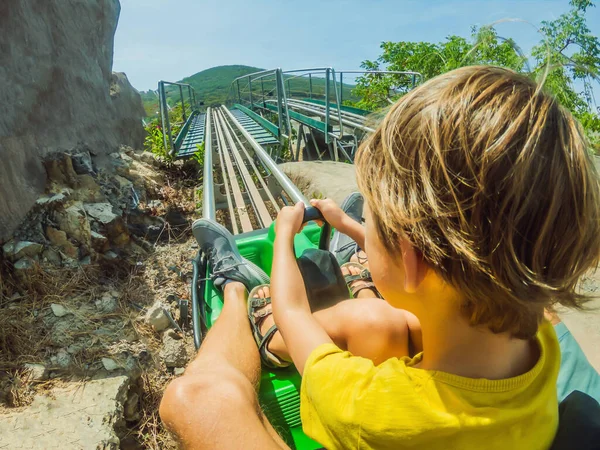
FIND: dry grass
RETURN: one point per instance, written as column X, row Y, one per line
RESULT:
column 30, row 333
column 305, row 185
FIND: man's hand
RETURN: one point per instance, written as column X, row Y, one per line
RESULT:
column 331, row 212
column 289, row 220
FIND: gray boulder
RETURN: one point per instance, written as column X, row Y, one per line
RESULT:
column 58, row 92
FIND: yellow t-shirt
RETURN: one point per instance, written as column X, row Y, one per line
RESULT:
column 347, row 402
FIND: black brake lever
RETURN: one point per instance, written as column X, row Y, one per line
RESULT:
column 310, row 214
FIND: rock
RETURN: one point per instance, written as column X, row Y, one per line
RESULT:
column 88, row 190
column 173, row 334
column 24, row 264
column 148, row 158
column 178, row 371
column 131, row 410
column 37, row 372
column 173, row 352
column 59, row 239
column 54, row 199
column 67, row 68
column 51, row 256
column 157, row 317
column 68, row 417
column 110, row 364
column 108, row 221
column 176, row 218
column 14, row 250
column 120, row 164
column 82, row 163
column 145, row 225
column 102, row 212
column 59, row 310
column 99, row 242
column 59, row 169
column 75, row 348
column 110, row 256
column 107, row 303
column 62, row 358
column 74, row 222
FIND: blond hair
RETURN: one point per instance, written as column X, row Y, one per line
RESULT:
column 490, row 179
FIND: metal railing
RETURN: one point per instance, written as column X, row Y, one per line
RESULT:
column 322, row 85
column 249, row 90
column 188, row 109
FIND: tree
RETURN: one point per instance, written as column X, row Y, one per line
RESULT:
column 567, row 56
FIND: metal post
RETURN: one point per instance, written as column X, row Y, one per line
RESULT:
column 341, row 89
column 327, row 73
column 262, row 88
column 250, row 87
column 310, row 84
column 190, row 97
column 414, row 80
column 299, row 142
column 166, row 120
column 239, row 95
column 278, row 88
column 289, row 88
column 182, row 102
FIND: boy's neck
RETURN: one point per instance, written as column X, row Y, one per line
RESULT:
column 451, row 345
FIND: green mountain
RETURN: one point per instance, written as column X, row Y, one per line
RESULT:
column 213, row 87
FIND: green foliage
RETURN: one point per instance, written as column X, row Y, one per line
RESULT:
column 198, row 156
column 570, row 54
column 567, row 56
column 485, row 47
column 154, row 141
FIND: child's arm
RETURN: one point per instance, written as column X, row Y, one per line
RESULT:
column 291, row 311
column 339, row 220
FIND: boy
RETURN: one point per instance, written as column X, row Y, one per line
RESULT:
column 482, row 209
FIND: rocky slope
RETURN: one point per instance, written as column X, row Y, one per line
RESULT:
column 58, row 92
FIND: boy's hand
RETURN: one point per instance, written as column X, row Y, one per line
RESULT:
column 289, row 220
column 331, row 212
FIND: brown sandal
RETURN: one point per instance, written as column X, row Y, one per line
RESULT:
column 256, row 319
column 364, row 275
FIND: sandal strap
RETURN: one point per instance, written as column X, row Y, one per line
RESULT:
column 268, row 358
column 260, row 302
column 367, row 285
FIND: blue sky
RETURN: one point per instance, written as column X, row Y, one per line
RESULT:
column 172, row 39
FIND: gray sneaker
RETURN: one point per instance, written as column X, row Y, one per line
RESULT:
column 225, row 260
column 341, row 245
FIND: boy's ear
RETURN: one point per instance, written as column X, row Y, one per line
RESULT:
column 415, row 267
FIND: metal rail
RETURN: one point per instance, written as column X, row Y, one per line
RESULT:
column 208, row 190
column 351, row 120
column 282, row 179
column 171, row 146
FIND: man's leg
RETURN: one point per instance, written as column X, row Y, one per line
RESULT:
column 214, row 404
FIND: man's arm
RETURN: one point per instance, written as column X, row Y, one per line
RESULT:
column 291, row 311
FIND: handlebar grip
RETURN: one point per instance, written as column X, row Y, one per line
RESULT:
column 312, row 213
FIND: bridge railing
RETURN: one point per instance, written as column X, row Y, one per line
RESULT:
column 179, row 123
column 256, row 90
column 272, row 90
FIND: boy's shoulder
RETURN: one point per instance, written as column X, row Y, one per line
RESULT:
column 396, row 401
